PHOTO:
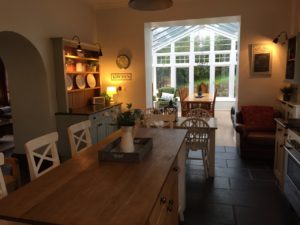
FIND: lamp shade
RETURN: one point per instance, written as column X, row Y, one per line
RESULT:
column 111, row 90
column 150, row 4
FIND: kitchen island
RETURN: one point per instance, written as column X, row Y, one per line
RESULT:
column 85, row 191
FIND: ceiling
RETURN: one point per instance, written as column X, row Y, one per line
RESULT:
column 108, row 4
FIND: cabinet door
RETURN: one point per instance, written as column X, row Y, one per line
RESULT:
column 279, row 153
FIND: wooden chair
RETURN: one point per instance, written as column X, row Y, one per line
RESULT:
column 183, row 93
column 42, row 155
column 212, row 105
column 203, row 87
column 197, row 139
column 199, row 113
column 3, row 190
column 80, row 136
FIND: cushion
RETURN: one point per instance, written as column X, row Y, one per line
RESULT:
column 167, row 96
column 258, row 118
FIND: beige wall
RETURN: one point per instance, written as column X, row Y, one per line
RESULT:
column 122, row 30
column 34, row 102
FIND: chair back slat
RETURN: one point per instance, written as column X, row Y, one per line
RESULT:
column 80, row 136
column 42, row 154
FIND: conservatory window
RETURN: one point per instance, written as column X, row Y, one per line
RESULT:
column 182, row 77
column 201, row 74
column 183, row 45
column 222, row 43
column 222, row 58
column 163, row 77
column 163, row 59
column 222, row 80
column 182, row 59
column 202, row 59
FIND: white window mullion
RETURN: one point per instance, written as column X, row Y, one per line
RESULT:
column 232, row 69
column 172, row 66
column 212, row 63
column 191, row 65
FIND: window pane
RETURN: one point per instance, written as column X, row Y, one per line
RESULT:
column 201, row 59
column 222, row 81
column 183, row 45
column 222, row 58
column 165, row 49
column 182, row 59
column 201, row 43
column 222, row 43
column 201, row 74
column 182, row 77
column 163, row 59
column 163, row 77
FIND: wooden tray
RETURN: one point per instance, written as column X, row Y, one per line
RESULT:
column 113, row 152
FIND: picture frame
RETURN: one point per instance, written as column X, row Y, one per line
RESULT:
column 261, row 59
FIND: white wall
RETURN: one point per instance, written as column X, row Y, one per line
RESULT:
column 37, row 22
column 122, row 30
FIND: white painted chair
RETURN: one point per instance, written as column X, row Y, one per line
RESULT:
column 197, row 139
column 3, row 190
column 155, row 118
column 80, row 136
column 42, row 154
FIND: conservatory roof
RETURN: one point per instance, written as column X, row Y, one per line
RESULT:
column 163, row 36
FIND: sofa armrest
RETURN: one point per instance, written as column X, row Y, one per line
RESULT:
column 241, row 129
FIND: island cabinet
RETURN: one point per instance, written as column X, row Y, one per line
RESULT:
column 103, row 123
column 281, row 133
column 165, row 211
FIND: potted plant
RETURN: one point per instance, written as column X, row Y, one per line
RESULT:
column 287, row 92
column 126, row 121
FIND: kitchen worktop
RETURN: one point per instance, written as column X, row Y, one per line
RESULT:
column 88, row 110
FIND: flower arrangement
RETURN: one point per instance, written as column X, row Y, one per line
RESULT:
column 128, row 117
column 287, row 91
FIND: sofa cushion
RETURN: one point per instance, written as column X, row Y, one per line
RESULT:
column 263, row 138
column 259, row 118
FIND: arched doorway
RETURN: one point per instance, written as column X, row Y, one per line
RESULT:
column 28, row 86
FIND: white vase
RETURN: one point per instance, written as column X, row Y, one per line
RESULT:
column 127, row 144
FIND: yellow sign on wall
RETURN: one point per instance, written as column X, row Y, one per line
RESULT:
column 121, row 76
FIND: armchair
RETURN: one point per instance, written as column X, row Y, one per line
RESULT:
column 256, row 128
column 165, row 95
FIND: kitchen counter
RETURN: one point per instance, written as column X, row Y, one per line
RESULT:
column 89, row 110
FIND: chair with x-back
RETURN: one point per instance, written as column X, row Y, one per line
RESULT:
column 3, row 190
column 80, row 136
column 197, row 139
column 42, row 154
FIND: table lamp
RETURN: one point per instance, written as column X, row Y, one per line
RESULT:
column 111, row 91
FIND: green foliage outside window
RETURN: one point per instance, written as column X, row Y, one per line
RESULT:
column 166, row 49
column 163, row 77
column 182, row 77
column 201, row 44
column 201, row 74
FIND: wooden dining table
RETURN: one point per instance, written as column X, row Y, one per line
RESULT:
column 194, row 99
column 84, row 191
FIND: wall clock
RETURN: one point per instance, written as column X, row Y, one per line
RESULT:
column 123, row 61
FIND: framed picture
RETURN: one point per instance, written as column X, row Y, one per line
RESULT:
column 261, row 60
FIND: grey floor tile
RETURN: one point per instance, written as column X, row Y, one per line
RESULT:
column 226, row 155
column 232, row 172
column 250, row 184
column 262, row 174
column 238, row 163
column 231, row 149
column 220, row 149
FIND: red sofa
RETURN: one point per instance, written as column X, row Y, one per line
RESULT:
column 256, row 127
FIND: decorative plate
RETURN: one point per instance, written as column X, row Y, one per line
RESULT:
column 123, row 61
column 69, row 82
column 80, row 82
column 91, row 81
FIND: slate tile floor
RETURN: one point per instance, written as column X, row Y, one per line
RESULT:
column 242, row 193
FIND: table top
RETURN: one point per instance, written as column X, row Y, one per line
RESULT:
column 206, row 98
column 84, row 191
